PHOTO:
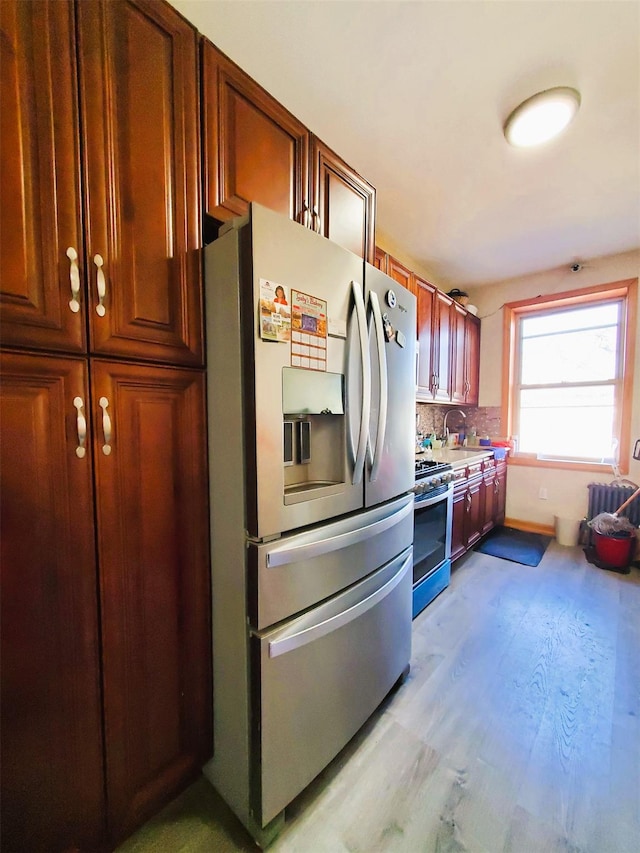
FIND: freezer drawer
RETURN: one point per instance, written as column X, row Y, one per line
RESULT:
column 298, row 571
column 321, row 676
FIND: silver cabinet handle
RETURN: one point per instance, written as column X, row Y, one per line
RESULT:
column 82, row 427
column 376, row 454
column 74, row 277
column 101, row 285
column 106, row 425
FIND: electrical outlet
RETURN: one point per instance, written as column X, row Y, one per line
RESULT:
column 542, row 494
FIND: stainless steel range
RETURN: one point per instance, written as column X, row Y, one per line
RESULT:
column 433, row 515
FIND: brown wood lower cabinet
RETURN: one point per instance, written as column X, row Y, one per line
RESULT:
column 130, row 579
column 151, row 492
column 479, row 494
column 500, row 492
column 51, row 734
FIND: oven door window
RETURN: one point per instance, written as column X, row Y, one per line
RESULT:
column 430, row 537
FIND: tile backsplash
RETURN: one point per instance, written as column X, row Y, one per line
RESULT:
column 485, row 419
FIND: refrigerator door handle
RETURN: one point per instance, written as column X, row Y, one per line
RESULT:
column 376, row 455
column 286, row 554
column 365, row 405
column 324, row 623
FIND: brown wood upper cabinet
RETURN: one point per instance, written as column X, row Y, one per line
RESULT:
column 448, row 339
column 133, row 271
column 426, row 295
column 465, row 345
column 398, row 272
column 256, row 150
column 441, row 347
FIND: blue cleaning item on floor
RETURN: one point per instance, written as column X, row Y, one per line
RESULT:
column 519, row 546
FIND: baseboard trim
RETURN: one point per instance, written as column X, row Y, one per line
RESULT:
column 530, row 526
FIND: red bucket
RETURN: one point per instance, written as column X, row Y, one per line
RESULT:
column 616, row 551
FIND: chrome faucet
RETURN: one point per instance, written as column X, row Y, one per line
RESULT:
column 444, row 425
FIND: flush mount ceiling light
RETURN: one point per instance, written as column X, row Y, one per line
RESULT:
column 542, row 116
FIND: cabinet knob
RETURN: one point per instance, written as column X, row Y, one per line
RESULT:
column 74, row 278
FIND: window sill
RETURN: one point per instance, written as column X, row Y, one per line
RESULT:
column 530, row 460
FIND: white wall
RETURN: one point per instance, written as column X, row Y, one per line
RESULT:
column 567, row 492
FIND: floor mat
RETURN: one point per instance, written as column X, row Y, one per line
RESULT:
column 519, row 546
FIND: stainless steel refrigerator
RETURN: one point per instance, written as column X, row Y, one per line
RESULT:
column 311, row 395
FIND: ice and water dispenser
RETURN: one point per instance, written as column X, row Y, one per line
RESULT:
column 313, row 432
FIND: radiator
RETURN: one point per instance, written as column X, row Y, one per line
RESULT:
column 604, row 498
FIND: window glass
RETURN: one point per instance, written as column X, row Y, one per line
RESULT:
column 574, row 422
column 575, row 318
column 581, row 356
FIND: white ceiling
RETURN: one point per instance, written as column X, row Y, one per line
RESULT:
column 413, row 95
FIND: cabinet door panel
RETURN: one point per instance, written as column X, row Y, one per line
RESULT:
column 39, row 176
column 138, row 76
column 254, row 149
column 52, row 771
column 458, row 363
column 401, row 274
column 154, row 566
column 473, row 521
column 487, row 500
column 425, row 380
column 442, row 320
column 458, row 538
column 343, row 203
column 472, row 359
column 500, row 493
column 381, row 260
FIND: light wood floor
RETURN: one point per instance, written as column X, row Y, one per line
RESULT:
column 518, row 730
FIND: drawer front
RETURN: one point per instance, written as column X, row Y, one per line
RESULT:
column 297, row 571
column 321, row 677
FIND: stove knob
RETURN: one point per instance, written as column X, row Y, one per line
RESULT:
column 435, row 481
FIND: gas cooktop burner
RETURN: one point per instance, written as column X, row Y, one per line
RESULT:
column 430, row 466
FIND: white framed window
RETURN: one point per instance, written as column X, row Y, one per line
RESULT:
column 570, row 375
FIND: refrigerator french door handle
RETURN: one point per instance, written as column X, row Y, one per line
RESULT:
column 323, row 626
column 365, row 405
column 376, row 455
column 286, row 554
